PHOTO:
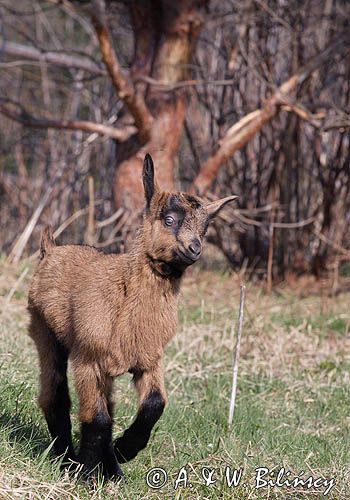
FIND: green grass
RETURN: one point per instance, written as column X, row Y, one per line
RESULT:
column 292, row 406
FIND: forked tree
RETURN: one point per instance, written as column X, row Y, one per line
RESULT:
column 154, row 96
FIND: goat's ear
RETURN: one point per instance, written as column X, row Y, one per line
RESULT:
column 214, row 207
column 148, row 179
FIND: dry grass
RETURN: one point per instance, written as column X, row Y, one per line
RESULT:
column 291, row 403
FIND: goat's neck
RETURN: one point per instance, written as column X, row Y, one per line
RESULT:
column 141, row 268
column 142, row 272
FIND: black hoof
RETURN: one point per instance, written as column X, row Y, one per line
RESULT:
column 116, row 476
column 109, row 469
column 127, row 449
column 89, row 472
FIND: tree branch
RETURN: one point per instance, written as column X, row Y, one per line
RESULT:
column 27, row 119
column 246, row 128
column 125, row 89
column 59, row 58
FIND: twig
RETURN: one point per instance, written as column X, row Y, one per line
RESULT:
column 294, row 225
column 90, row 233
column 16, row 285
column 70, row 220
column 335, row 277
column 271, row 245
column 236, row 355
column 336, row 246
column 168, row 87
column 124, row 221
column 279, row 225
column 111, row 219
column 63, row 226
column 83, row 61
column 17, row 250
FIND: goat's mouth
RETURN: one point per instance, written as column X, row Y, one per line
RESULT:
column 173, row 267
column 185, row 258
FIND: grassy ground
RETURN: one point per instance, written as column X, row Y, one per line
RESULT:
column 292, row 407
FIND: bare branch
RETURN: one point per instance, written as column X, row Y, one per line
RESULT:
column 337, row 123
column 238, row 135
column 169, row 87
column 303, row 113
column 27, row 119
column 59, row 58
column 344, row 251
column 111, row 219
column 125, row 89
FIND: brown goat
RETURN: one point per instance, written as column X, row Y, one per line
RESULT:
column 112, row 314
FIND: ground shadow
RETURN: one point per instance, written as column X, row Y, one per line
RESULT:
column 30, row 434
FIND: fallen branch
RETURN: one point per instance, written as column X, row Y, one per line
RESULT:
column 236, row 355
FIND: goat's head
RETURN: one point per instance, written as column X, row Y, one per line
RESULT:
column 174, row 225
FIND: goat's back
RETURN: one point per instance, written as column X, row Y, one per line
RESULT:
column 77, row 291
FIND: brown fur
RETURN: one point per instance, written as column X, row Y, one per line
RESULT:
column 113, row 313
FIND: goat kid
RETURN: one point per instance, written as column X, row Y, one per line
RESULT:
column 112, row 314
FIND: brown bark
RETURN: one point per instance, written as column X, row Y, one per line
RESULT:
column 163, row 50
column 163, row 145
column 126, row 91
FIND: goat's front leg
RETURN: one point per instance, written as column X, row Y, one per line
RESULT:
column 96, row 446
column 152, row 400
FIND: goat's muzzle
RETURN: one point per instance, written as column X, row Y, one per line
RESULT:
column 188, row 255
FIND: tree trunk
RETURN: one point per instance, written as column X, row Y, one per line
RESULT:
column 166, row 34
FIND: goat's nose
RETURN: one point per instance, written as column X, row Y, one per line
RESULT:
column 195, row 247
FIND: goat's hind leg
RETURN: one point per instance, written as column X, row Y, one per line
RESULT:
column 54, row 395
column 152, row 400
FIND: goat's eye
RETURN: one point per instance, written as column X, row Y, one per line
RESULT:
column 169, row 220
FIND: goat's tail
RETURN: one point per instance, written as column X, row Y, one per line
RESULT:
column 47, row 242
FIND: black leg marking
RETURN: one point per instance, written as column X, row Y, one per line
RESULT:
column 136, row 437
column 96, row 448
column 57, row 415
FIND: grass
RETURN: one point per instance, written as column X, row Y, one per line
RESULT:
column 292, row 406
